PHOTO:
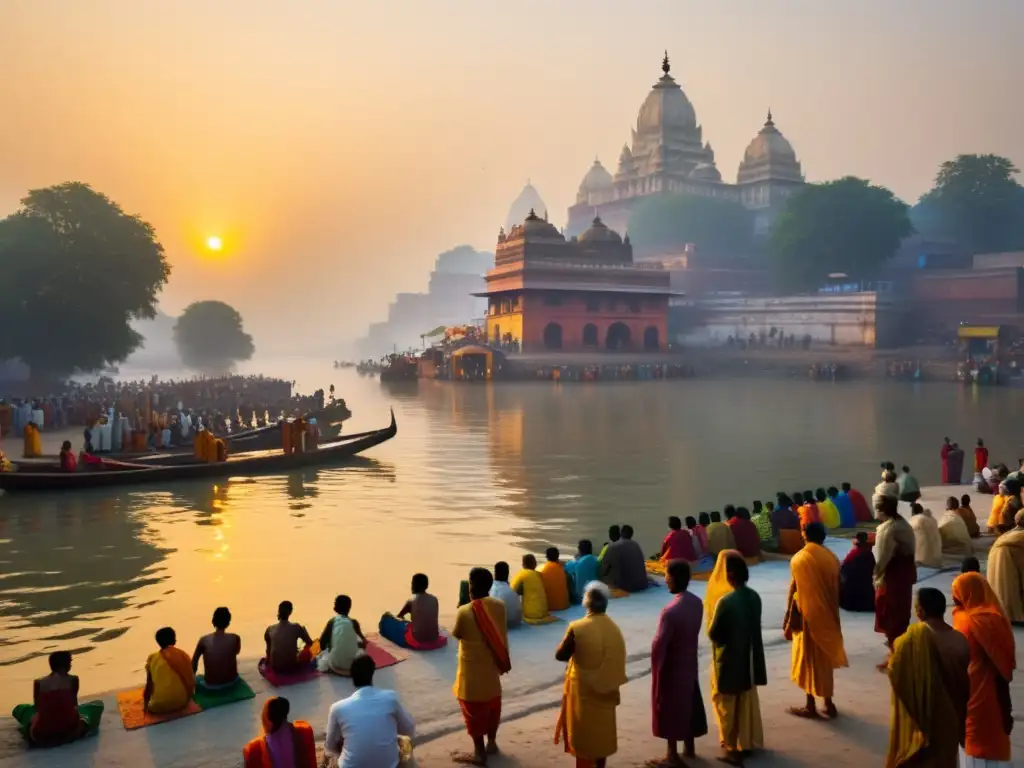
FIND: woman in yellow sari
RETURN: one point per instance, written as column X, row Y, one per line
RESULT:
column 733, row 612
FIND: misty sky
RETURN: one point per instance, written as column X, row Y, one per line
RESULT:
column 337, row 147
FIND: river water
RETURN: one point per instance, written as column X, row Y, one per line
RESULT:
column 476, row 474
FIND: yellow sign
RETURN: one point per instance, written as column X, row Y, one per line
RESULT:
column 978, row 331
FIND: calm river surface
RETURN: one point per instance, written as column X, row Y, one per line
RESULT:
column 476, row 474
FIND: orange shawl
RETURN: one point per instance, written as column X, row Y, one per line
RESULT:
column 816, row 574
column 181, row 664
column 492, row 637
column 257, row 754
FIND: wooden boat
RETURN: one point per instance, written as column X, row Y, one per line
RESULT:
column 261, row 462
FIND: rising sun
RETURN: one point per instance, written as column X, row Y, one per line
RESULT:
column 214, row 243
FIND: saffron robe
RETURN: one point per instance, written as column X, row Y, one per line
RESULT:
column 677, row 706
column 556, row 586
column 590, row 697
column 978, row 616
column 170, row 669
column 535, row 596
column 477, row 676
column 818, row 642
column 856, row 588
column 809, row 514
column 1005, row 573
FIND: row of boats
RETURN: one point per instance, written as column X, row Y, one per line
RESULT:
column 252, row 452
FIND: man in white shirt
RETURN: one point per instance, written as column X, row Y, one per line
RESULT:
column 364, row 728
column 501, row 590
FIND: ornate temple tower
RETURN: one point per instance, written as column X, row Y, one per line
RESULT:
column 768, row 174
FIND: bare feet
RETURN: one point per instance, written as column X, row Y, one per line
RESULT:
column 808, row 713
column 469, row 758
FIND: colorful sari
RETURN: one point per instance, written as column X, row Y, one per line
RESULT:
column 296, row 737
column 174, row 682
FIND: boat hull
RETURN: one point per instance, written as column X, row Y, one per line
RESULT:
column 252, row 463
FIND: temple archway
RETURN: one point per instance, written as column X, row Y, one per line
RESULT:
column 651, row 340
column 590, row 335
column 617, row 337
column 552, row 336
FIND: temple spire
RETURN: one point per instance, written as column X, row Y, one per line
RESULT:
column 769, row 120
column 665, row 67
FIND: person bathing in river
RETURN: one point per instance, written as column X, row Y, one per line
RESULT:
column 170, row 681
column 421, row 632
column 342, row 639
column 55, row 716
column 282, row 641
column 219, row 653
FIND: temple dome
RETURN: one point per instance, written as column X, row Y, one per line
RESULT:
column 705, row 172
column 666, row 106
column 600, row 233
column 597, row 179
column 534, row 226
column 528, row 200
column 769, row 146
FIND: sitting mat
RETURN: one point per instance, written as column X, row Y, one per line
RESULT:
column 279, row 680
column 538, row 622
column 381, row 656
column 133, row 717
column 617, row 593
column 208, row 699
column 91, row 712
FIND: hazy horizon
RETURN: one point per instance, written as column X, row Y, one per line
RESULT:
column 338, row 148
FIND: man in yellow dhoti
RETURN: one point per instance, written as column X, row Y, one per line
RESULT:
column 596, row 652
column 1005, row 570
column 733, row 612
column 812, row 622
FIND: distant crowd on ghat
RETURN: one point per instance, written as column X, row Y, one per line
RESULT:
column 950, row 696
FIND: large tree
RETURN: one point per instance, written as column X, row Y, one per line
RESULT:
column 667, row 223
column 846, row 226
column 210, row 337
column 975, row 201
column 74, row 270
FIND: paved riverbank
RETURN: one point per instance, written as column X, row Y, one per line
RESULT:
column 532, row 696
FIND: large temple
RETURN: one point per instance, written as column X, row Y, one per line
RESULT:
column 669, row 154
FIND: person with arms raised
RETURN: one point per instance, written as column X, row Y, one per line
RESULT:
column 483, row 658
column 363, row 730
column 676, row 703
column 596, row 654
column 812, row 623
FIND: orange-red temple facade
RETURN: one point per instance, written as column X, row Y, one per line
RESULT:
column 548, row 294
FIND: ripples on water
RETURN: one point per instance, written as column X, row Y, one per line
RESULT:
column 476, row 474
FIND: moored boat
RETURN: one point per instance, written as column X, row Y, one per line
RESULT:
column 186, row 467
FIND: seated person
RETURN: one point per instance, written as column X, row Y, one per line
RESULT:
column 500, row 590
column 927, row 540
column 55, row 716
column 678, row 544
column 970, row 565
column 700, row 542
column 282, row 639
column 624, row 566
column 342, row 639
column 968, row 516
column 861, row 509
column 843, row 507
column 809, row 511
column 529, row 585
column 282, row 742
column 613, row 535
column 582, row 569
column 956, row 539
column 421, row 632
column 744, row 532
column 556, row 583
column 219, row 652
column 719, row 534
column 170, row 681
column 761, row 517
column 700, row 533
column 856, row 584
column 68, row 460
column 784, row 517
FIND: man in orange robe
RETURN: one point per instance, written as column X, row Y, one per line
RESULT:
column 979, row 617
column 556, row 585
column 280, row 736
column 812, row 622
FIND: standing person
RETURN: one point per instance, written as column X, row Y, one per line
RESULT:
column 930, row 688
column 283, row 742
column 219, row 653
column 1005, row 570
column 944, row 458
column 363, row 729
column 501, row 590
column 812, row 623
column 978, row 616
column 596, row 652
column 733, row 615
column 980, row 456
column 927, row 539
column 676, row 703
column 956, row 464
column 856, row 586
column 483, row 658
column 910, row 489
column 556, row 583
column 895, row 573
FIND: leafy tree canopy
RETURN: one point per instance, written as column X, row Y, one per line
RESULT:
column 209, row 337
column 846, row 226
column 76, row 269
column 975, row 201
column 667, row 223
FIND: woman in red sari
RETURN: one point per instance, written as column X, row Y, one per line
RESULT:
column 282, row 742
